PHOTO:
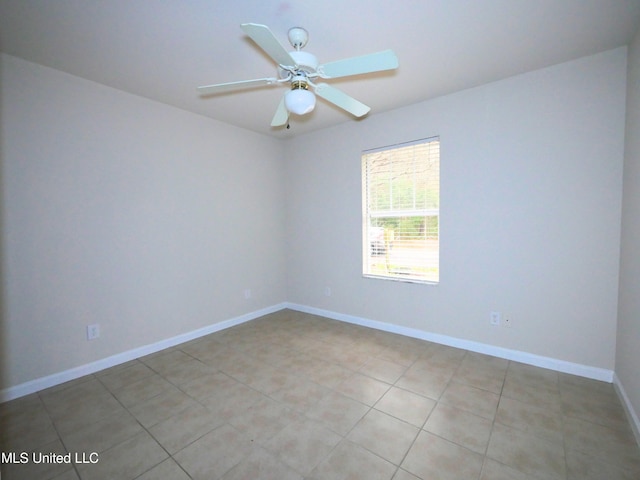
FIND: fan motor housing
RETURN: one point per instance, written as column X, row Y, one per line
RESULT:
column 306, row 62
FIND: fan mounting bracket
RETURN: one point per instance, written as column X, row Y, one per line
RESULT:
column 298, row 37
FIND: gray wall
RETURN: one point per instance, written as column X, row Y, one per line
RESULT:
column 153, row 221
column 146, row 219
column 531, row 177
column 628, row 345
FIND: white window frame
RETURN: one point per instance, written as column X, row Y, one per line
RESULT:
column 383, row 255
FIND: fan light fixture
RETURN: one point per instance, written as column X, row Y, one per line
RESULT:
column 299, row 99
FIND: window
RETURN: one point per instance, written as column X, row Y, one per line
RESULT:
column 401, row 211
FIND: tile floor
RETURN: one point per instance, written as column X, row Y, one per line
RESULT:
column 292, row 396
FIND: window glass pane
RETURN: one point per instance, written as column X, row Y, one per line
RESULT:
column 401, row 211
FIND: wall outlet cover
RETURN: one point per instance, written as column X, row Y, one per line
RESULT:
column 93, row 331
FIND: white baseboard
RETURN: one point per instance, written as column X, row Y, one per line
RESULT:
column 93, row 367
column 634, row 420
column 515, row 355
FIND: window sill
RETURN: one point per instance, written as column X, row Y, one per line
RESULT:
column 402, row 280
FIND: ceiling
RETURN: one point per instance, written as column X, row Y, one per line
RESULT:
column 163, row 49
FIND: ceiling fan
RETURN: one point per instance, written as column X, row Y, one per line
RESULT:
column 300, row 70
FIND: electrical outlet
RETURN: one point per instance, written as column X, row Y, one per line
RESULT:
column 327, row 291
column 247, row 293
column 93, row 331
column 508, row 321
column 494, row 318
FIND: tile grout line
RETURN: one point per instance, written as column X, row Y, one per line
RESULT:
column 493, row 421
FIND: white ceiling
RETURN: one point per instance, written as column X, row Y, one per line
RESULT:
column 163, row 49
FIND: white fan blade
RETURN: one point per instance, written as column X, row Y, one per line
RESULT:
column 341, row 99
column 269, row 43
column 281, row 116
column 373, row 62
column 231, row 86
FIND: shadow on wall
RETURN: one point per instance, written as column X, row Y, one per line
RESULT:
column 3, row 283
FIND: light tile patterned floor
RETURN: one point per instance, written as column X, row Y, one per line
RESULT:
column 293, row 396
